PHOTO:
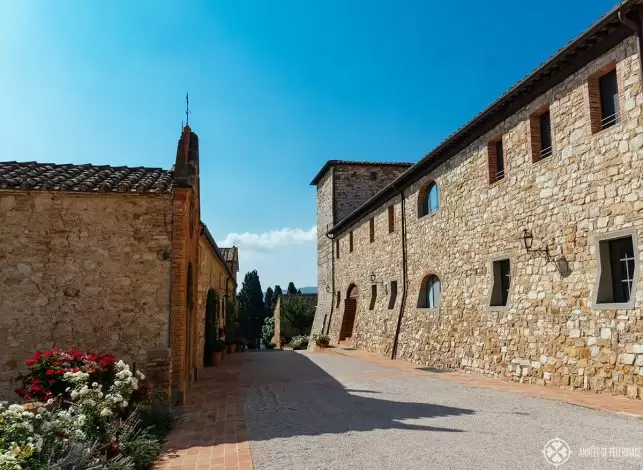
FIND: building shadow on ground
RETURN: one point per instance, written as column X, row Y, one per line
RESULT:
column 285, row 394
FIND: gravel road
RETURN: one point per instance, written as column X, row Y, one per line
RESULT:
column 327, row 411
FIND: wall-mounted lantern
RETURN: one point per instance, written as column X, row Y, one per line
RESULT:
column 374, row 281
column 527, row 241
column 327, row 288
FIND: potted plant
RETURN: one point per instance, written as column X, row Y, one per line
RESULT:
column 321, row 341
column 218, row 348
column 230, row 347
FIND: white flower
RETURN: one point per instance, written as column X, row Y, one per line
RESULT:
column 140, row 375
column 15, row 408
column 124, row 404
column 106, row 412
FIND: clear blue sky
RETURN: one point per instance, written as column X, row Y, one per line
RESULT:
column 276, row 89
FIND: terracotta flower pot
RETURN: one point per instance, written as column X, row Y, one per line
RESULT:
column 217, row 357
column 234, row 348
column 228, row 348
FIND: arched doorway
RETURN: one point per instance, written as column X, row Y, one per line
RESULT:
column 211, row 325
column 350, row 312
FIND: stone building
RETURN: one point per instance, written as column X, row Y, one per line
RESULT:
column 112, row 259
column 513, row 249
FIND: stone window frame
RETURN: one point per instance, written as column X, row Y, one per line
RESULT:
column 423, row 196
column 421, row 293
column 597, row 239
column 594, row 97
column 500, row 257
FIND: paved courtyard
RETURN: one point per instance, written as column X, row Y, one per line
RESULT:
column 350, row 410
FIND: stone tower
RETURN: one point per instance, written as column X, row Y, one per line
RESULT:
column 342, row 187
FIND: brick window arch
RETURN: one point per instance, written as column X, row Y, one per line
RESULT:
column 430, row 292
column 428, row 199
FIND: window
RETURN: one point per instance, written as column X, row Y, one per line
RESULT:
column 603, row 99
column 501, row 282
column 350, row 241
column 609, row 99
column 371, row 229
column 617, row 271
column 373, row 175
column 430, row 292
column 393, row 297
column 541, row 141
column 428, row 200
column 373, row 296
column 339, row 298
column 391, row 219
column 337, row 248
column 496, row 156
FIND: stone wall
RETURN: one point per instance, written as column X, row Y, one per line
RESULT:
column 282, row 326
column 82, row 270
column 353, row 185
column 324, row 252
column 551, row 332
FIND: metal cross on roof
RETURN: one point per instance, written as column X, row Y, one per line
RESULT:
column 187, row 109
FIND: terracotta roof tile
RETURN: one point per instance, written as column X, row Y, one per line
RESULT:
column 84, row 178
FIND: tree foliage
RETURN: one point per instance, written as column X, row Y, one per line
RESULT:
column 292, row 290
column 267, row 301
column 298, row 314
column 251, row 306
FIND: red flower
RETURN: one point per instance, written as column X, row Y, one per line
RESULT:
column 50, row 372
column 30, row 362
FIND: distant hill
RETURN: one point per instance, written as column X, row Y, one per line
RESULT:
column 308, row 290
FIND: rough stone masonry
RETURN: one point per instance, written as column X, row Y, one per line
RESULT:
column 553, row 328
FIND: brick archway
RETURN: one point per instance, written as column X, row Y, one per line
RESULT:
column 350, row 313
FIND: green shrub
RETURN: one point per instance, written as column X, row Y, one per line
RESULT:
column 218, row 346
column 158, row 419
column 321, row 340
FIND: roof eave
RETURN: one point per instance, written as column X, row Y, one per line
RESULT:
column 503, row 107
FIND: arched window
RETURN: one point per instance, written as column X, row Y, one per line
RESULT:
column 428, row 199
column 430, row 292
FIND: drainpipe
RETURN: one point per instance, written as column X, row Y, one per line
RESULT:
column 636, row 27
column 332, row 281
column 404, row 277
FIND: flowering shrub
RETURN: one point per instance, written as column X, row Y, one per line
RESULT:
column 47, row 370
column 299, row 342
column 88, row 424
